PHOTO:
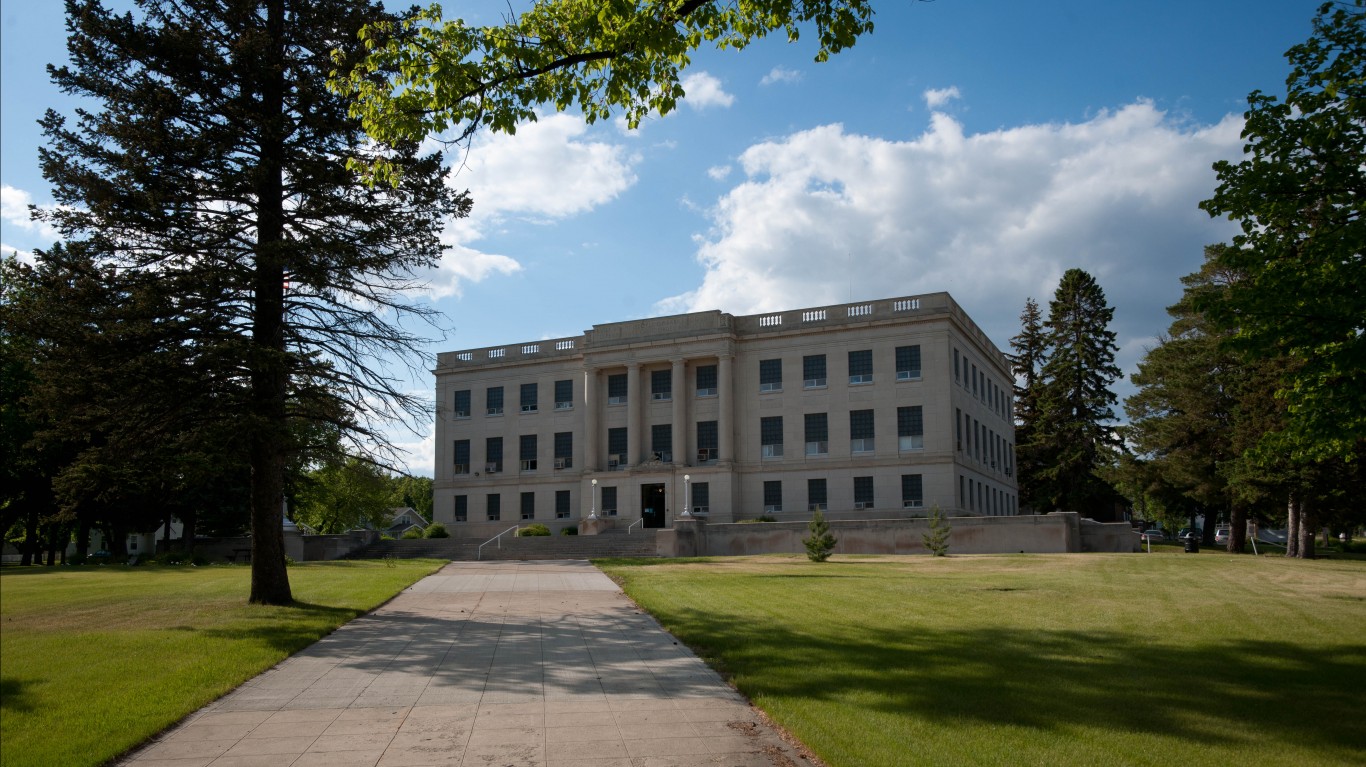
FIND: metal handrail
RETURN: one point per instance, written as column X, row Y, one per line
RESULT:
column 478, row 554
column 633, row 524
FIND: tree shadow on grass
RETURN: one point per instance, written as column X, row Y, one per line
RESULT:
column 14, row 694
column 1051, row 680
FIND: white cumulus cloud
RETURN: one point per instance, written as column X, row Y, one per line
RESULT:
column 781, row 74
column 826, row 216
column 938, row 97
column 704, row 90
column 548, row 171
column 14, row 212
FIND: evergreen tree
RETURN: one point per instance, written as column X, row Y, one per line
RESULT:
column 1072, row 437
column 1031, row 351
column 820, row 544
column 213, row 174
column 936, row 539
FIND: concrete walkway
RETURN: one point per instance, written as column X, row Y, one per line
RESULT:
column 525, row 664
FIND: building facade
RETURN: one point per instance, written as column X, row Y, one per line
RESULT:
column 876, row 409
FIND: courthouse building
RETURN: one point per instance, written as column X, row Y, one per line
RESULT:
column 873, row 410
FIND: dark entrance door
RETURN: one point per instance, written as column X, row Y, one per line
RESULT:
column 652, row 505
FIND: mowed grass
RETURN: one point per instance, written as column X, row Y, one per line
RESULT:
column 1082, row 659
column 94, row 660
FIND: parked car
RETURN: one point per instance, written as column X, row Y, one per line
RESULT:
column 1153, row 535
column 1221, row 536
column 1188, row 533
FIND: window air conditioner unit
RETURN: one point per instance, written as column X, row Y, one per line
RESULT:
column 529, row 465
column 564, row 405
column 860, row 505
column 912, row 504
column 491, row 468
column 528, row 408
column 561, row 463
column 701, row 510
column 495, row 411
column 662, row 395
column 462, row 468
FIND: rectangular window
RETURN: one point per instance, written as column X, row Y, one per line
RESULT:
column 528, row 505
column 701, row 498
column 860, row 431
column 817, row 434
column 564, row 449
column 462, row 403
column 493, row 400
column 662, row 441
column 609, row 501
column 616, row 447
column 561, row 504
column 527, row 452
column 863, row 492
column 861, row 366
column 661, row 385
column 494, row 509
column 462, row 456
column 912, row 492
column 815, row 495
column 564, row 394
column 813, row 371
column 958, row 427
column 616, row 389
column 706, row 381
column 770, row 375
column 907, row 363
column 771, row 436
column 974, row 380
column 910, row 428
column 529, row 398
column 462, row 508
column 956, row 375
column 707, row 441
column 773, row 495
column 493, row 455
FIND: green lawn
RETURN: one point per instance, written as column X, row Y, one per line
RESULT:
column 94, row 660
column 1104, row 659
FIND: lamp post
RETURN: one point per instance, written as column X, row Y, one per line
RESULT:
column 687, row 498
column 593, row 503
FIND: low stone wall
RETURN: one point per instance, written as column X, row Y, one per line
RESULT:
column 298, row 547
column 1056, row 533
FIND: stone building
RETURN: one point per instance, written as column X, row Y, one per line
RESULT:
column 875, row 410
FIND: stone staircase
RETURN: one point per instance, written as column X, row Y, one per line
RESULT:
column 638, row 543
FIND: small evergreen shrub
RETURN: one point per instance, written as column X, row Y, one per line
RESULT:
column 936, row 539
column 437, row 530
column 411, row 533
column 820, row 543
column 533, row 530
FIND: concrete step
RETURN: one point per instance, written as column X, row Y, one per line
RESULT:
column 615, row 544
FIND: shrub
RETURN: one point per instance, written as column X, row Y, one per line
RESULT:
column 936, row 539
column 762, row 518
column 820, row 543
column 171, row 558
column 533, row 530
column 411, row 533
column 437, row 530
column 569, row 531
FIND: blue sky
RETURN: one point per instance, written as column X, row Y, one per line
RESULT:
column 981, row 147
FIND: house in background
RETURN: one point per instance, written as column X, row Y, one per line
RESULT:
column 402, row 519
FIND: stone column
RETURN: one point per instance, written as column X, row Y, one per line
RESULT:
column 680, row 414
column 726, row 427
column 592, row 421
column 634, row 405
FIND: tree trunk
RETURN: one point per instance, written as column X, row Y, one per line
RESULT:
column 30, row 551
column 1237, row 529
column 1292, row 527
column 83, row 537
column 270, row 371
column 1307, row 527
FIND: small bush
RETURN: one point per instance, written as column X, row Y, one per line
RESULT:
column 437, row 530
column 763, row 518
column 533, row 530
column 77, row 559
column 170, row 558
column 820, row 544
column 411, row 533
column 569, row 531
column 937, row 538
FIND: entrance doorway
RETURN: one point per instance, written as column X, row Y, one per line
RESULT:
column 652, row 505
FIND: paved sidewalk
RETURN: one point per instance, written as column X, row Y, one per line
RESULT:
column 523, row 664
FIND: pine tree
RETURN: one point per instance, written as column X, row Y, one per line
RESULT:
column 820, row 544
column 936, row 539
column 214, row 166
column 1072, row 436
column 1031, row 350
